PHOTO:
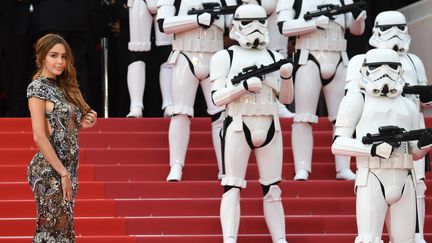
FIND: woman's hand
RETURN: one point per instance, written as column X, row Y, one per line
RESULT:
column 66, row 187
column 89, row 119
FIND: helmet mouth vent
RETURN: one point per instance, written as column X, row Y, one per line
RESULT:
column 256, row 43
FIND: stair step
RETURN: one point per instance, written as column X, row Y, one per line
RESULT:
column 188, row 189
column 206, row 155
column 143, row 124
column 184, row 207
column 159, row 172
column 242, row 238
column 110, row 140
column 313, row 224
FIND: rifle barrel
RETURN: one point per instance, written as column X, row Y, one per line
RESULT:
column 396, row 137
column 334, row 10
column 217, row 10
column 259, row 72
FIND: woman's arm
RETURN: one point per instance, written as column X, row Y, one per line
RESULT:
column 40, row 137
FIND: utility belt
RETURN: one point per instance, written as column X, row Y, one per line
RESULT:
column 238, row 110
column 330, row 39
column 399, row 161
column 247, row 109
column 324, row 44
column 199, row 40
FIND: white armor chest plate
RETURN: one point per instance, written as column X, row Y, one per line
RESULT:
column 382, row 111
column 200, row 39
column 263, row 102
column 330, row 39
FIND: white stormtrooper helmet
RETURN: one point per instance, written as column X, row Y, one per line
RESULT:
column 382, row 73
column 250, row 27
column 391, row 32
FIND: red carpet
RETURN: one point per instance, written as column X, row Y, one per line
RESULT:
column 123, row 196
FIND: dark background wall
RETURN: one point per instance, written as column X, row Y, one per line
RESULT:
column 110, row 19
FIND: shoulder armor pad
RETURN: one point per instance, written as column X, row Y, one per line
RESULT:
column 350, row 110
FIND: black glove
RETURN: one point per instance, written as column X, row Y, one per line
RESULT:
column 383, row 150
column 201, row 18
column 425, row 140
column 426, row 97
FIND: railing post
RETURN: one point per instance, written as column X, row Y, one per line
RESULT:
column 104, row 45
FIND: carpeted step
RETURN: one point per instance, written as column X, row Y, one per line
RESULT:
column 183, row 207
column 143, row 124
column 186, row 225
column 188, row 189
column 159, row 172
column 110, row 140
column 186, row 207
column 254, row 238
column 118, row 156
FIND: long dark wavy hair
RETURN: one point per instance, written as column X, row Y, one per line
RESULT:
column 67, row 81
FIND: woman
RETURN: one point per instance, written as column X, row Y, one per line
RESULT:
column 56, row 107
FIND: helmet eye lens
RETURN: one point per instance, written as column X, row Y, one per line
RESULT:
column 372, row 67
column 401, row 27
column 246, row 22
column 384, row 28
column 394, row 66
column 262, row 21
column 387, row 27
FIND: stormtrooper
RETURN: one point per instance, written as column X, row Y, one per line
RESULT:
column 251, row 122
column 196, row 38
column 390, row 31
column 277, row 42
column 321, row 60
column 385, row 182
column 141, row 21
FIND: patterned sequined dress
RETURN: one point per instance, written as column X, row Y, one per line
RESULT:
column 54, row 217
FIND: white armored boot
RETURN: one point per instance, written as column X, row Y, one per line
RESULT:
column 302, row 142
column 136, row 84
column 176, row 172
column 274, row 214
column 178, row 142
column 343, row 171
column 230, row 215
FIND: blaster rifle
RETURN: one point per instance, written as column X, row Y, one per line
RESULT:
column 396, row 135
column 424, row 91
column 215, row 9
column 255, row 71
column 393, row 135
column 330, row 10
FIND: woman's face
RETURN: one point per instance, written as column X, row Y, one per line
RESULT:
column 55, row 61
